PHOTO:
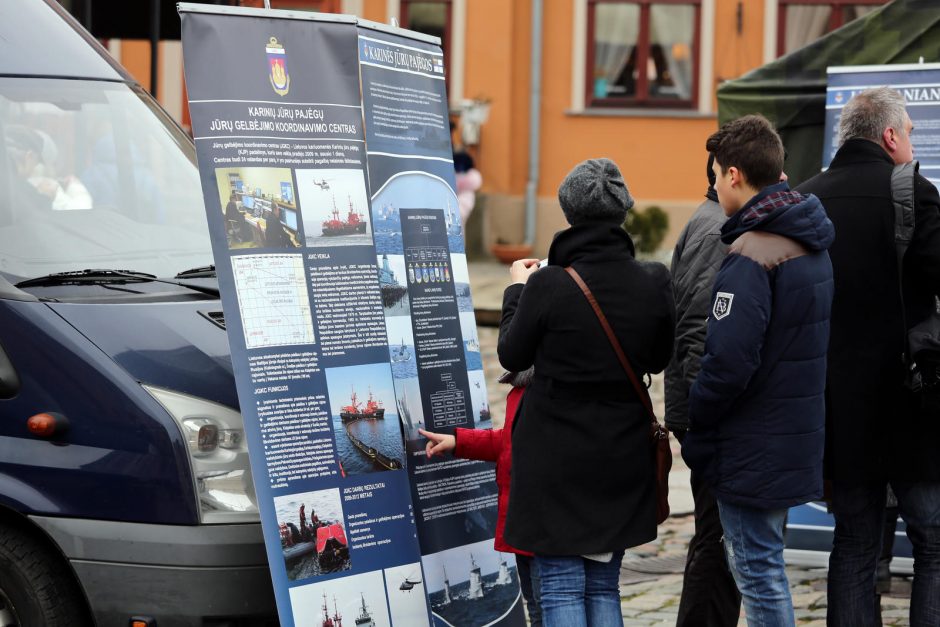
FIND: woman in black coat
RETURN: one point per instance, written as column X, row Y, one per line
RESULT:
column 582, row 485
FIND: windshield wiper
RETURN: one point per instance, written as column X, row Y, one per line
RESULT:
column 201, row 272
column 92, row 276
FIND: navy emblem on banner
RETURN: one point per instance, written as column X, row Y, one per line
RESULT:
column 277, row 64
column 722, row 305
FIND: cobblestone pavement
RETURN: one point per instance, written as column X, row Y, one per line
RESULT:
column 651, row 577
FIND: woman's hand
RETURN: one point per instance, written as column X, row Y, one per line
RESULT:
column 438, row 443
column 521, row 270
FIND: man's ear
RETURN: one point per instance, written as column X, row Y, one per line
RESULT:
column 737, row 177
column 889, row 140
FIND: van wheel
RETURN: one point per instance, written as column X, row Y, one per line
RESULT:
column 36, row 588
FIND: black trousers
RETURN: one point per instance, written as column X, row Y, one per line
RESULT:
column 710, row 597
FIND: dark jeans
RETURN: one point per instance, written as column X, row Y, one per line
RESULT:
column 859, row 514
column 710, row 597
column 531, row 588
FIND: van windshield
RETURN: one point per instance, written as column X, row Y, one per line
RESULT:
column 94, row 175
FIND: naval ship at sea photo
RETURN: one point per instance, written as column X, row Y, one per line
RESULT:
column 373, row 409
column 364, row 619
column 353, row 224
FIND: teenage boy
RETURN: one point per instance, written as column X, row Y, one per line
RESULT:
column 756, row 409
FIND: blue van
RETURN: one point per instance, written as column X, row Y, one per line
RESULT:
column 125, row 488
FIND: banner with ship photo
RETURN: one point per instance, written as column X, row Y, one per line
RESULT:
column 338, row 358
column 426, row 293
column 918, row 83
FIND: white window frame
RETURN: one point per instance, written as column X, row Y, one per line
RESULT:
column 706, row 80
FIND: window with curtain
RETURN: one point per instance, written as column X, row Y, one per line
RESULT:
column 801, row 22
column 643, row 53
column 431, row 17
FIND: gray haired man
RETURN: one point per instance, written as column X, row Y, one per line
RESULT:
column 877, row 432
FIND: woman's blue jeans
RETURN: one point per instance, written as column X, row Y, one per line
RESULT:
column 754, row 546
column 578, row 592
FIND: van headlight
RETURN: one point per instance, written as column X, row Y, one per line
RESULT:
column 218, row 452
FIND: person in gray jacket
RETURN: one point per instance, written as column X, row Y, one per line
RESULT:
column 709, row 595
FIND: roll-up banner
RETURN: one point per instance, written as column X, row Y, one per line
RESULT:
column 324, row 152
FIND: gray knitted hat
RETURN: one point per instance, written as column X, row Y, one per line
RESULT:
column 594, row 191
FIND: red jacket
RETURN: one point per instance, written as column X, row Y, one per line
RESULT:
column 494, row 445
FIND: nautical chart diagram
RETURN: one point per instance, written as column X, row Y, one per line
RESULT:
column 273, row 300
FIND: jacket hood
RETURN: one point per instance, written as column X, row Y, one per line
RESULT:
column 777, row 209
column 590, row 241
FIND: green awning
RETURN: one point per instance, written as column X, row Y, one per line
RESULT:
column 791, row 91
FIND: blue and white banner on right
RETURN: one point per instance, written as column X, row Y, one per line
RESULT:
column 919, row 83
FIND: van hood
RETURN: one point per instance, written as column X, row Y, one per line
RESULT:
column 172, row 345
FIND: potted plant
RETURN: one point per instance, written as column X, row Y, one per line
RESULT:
column 508, row 253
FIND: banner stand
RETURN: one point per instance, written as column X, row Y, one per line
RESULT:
column 324, row 152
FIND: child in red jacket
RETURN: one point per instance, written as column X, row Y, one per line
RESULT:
column 495, row 445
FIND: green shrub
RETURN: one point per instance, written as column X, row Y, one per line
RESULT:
column 647, row 227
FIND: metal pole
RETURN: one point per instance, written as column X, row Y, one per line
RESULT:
column 267, row 4
column 154, row 46
column 535, row 100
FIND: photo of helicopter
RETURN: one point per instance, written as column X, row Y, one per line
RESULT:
column 323, row 184
column 409, row 583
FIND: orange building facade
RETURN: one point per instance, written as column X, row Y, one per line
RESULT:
column 653, row 123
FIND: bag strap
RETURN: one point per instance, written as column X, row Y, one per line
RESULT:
column 640, row 390
column 902, row 197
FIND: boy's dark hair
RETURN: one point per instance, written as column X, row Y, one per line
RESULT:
column 750, row 144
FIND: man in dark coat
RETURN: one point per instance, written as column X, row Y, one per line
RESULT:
column 874, row 431
column 756, row 409
column 582, row 481
column 274, row 234
column 709, row 595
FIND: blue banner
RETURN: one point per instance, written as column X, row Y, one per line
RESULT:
column 325, row 158
column 920, row 86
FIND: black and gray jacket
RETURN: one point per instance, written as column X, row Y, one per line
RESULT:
column 695, row 262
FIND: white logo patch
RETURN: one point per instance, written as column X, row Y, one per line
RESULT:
column 722, row 305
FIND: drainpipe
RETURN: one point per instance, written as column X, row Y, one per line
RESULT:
column 154, row 46
column 535, row 98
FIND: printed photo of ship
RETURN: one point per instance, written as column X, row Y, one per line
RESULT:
column 313, row 537
column 335, row 207
column 478, row 400
column 414, row 190
column 367, row 433
column 401, row 349
column 392, row 283
column 356, row 601
column 387, row 222
column 461, row 282
column 471, row 585
column 407, row 599
column 471, row 342
column 411, row 412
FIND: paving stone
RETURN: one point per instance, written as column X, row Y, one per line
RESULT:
column 661, row 616
column 894, row 613
column 649, row 601
column 808, row 599
column 892, row 602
